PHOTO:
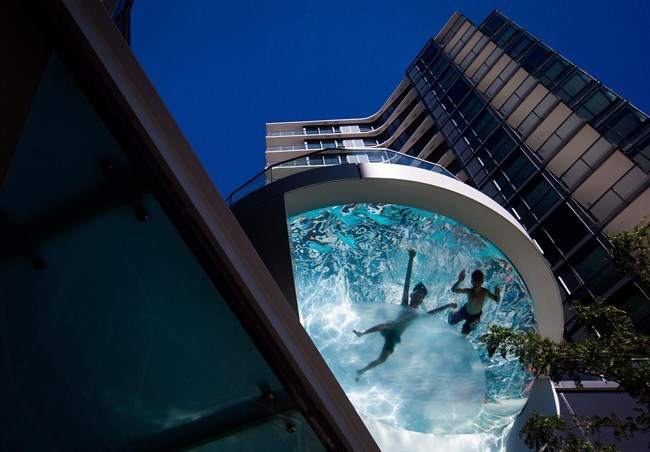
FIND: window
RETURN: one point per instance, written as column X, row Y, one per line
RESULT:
column 535, row 57
column 622, row 124
column 553, row 70
column 499, row 145
column 506, row 34
column 492, row 25
column 519, row 45
column 596, row 103
column 640, row 153
column 572, row 85
column 565, row 228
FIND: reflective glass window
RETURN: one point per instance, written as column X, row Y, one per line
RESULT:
column 499, row 145
column 640, row 153
column 519, row 45
column 491, row 26
column 551, row 253
column 553, row 70
column 470, row 107
column 589, row 260
column 538, row 54
column 595, row 103
column 569, row 278
column 458, row 91
column 506, row 34
column 622, row 124
column 571, row 86
column 564, row 227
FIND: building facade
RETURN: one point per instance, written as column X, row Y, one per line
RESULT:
column 511, row 117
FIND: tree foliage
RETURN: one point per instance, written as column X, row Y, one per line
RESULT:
column 631, row 251
column 613, row 350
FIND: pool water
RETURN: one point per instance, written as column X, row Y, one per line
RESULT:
column 349, row 267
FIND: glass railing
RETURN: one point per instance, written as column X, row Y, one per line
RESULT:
column 330, row 157
column 285, row 133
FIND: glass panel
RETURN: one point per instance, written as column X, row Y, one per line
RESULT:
column 622, row 124
column 595, row 103
column 332, row 159
column 504, row 35
column 565, row 228
column 535, row 57
column 589, row 260
column 572, row 85
column 500, row 145
column 113, row 333
column 519, row 45
column 553, row 70
column 493, row 24
column 640, row 153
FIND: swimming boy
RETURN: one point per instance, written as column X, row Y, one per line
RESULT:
column 472, row 310
column 392, row 330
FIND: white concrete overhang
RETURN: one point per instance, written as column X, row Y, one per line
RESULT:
column 409, row 186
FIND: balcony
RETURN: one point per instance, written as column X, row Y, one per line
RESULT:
column 331, row 157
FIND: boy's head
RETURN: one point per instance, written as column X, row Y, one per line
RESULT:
column 477, row 278
column 418, row 294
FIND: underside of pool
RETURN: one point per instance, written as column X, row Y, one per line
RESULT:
column 348, row 242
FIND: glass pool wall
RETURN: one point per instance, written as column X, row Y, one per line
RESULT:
column 349, row 267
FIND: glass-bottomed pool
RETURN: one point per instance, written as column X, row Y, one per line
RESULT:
column 349, row 267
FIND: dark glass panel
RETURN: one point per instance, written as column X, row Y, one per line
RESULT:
column 622, row 124
column 470, row 107
column 640, row 153
column 493, row 24
column 565, row 228
column 595, row 103
column 458, row 91
column 571, row 280
column 551, row 253
column 553, row 70
column 589, row 260
column 499, row 145
column 506, row 34
column 572, row 85
column 538, row 54
column 519, row 45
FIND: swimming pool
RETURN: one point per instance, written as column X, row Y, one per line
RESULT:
column 349, row 264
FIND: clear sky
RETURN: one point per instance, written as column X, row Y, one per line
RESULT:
column 224, row 69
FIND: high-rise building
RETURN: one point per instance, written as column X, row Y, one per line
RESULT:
column 506, row 114
column 494, row 107
column 136, row 314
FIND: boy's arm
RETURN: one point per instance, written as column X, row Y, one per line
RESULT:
column 407, row 281
column 442, row 308
column 495, row 296
column 461, row 277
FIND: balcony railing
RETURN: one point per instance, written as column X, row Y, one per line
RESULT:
column 330, row 157
column 285, row 133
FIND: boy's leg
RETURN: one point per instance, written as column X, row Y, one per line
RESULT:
column 455, row 316
column 374, row 329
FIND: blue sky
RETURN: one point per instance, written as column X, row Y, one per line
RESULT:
column 224, row 69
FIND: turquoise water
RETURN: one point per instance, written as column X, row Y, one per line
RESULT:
column 349, row 267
